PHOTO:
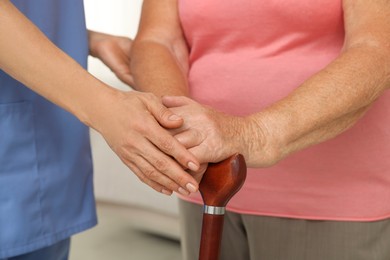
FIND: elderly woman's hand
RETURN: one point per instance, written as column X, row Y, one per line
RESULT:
column 213, row 136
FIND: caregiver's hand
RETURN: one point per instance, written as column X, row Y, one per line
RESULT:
column 114, row 52
column 132, row 126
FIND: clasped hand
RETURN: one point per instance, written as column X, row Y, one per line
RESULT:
column 211, row 136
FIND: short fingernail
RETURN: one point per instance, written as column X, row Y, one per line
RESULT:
column 174, row 117
column 166, row 192
column 192, row 166
column 183, row 191
column 191, row 187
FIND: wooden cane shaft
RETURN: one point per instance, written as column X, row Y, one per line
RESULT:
column 210, row 242
column 219, row 183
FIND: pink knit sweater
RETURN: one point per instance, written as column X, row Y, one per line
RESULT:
column 246, row 55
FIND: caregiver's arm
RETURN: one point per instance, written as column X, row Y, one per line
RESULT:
column 129, row 121
column 159, row 55
column 324, row 106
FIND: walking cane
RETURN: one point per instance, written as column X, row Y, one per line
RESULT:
column 219, row 184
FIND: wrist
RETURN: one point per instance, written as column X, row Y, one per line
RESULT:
column 94, row 38
column 94, row 107
column 258, row 144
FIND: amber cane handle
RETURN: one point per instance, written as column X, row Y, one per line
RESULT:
column 219, row 184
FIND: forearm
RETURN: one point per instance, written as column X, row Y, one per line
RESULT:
column 28, row 56
column 159, row 57
column 324, row 106
column 156, row 69
column 324, row 133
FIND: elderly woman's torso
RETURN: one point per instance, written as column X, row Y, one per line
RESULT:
column 246, row 55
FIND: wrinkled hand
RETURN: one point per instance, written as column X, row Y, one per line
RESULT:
column 210, row 135
column 114, row 52
column 134, row 125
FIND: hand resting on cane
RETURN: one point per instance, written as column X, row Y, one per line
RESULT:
column 213, row 136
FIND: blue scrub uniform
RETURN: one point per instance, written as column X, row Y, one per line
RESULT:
column 46, row 192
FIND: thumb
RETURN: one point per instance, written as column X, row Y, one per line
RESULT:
column 127, row 79
column 175, row 101
column 165, row 117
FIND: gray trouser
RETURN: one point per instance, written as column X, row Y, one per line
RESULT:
column 247, row 237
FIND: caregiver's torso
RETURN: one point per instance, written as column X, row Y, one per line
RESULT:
column 46, row 192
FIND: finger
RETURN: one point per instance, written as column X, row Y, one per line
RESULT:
column 198, row 175
column 175, row 177
column 127, row 79
column 175, row 101
column 151, row 176
column 169, row 145
column 202, row 154
column 189, row 138
column 126, row 49
column 119, row 64
column 154, row 185
column 121, row 68
column 163, row 115
column 166, row 143
column 161, row 168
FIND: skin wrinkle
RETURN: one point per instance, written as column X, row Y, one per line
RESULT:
column 258, row 131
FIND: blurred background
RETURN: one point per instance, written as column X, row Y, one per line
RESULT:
column 135, row 222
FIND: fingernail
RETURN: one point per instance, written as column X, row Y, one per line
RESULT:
column 166, row 192
column 191, row 187
column 174, row 117
column 192, row 166
column 183, row 191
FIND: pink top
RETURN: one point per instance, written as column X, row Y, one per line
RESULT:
column 246, row 55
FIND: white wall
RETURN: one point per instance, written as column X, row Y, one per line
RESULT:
column 113, row 16
column 119, row 17
column 114, row 181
